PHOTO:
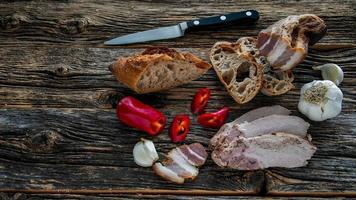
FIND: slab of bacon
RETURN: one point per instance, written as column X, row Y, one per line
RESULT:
column 285, row 43
column 182, row 163
column 262, row 138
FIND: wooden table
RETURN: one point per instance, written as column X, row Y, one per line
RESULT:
column 59, row 136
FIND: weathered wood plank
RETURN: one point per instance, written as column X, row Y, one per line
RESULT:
column 23, row 196
column 64, row 141
column 92, row 22
column 73, row 149
column 34, row 137
column 79, row 77
column 58, row 131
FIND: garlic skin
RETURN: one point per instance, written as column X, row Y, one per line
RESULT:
column 145, row 153
column 332, row 72
column 320, row 100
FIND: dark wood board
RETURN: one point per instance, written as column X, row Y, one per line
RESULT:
column 32, row 196
column 58, row 130
column 88, row 23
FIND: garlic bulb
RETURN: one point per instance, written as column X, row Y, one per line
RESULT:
column 331, row 72
column 145, row 153
column 320, row 100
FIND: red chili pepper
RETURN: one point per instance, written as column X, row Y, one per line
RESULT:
column 214, row 119
column 179, row 128
column 200, row 100
column 143, row 117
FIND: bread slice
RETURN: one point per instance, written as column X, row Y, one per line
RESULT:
column 158, row 68
column 274, row 82
column 238, row 71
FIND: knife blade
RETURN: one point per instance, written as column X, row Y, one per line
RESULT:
column 178, row 30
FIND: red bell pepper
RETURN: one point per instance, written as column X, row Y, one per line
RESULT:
column 214, row 119
column 138, row 115
column 200, row 100
column 179, row 128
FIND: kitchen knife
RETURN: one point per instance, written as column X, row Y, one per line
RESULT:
column 178, row 30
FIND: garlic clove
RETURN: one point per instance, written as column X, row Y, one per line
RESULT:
column 150, row 148
column 331, row 72
column 145, row 153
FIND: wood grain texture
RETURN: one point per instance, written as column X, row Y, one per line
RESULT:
column 73, row 149
column 58, row 130
column 79, row 78
column 92, row 22
column 79, row 145
column 23, row 196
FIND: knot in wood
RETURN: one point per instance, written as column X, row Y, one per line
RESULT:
column 108, row 99
column 61, row 70
column 12, row 21
column 74, row 26
column 13, row 196
column 44, row 141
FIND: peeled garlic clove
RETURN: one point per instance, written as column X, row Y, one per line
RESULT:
column 145, row 153
column 320, row 100
column 331, row 72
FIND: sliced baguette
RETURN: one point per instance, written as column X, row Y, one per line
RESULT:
column 239, row 73
column 274, row 82
column 158, row 68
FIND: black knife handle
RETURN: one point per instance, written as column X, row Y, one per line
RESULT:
column 247, row 16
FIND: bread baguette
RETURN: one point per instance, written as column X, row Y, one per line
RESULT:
column 158, row 68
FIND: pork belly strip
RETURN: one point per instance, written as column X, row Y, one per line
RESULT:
column 262, row 112
column 271, row 150
column 285, row 43
column 272, row 124
column 182, row 163
column 227, row 132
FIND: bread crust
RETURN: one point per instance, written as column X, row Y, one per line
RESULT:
column 252, row 86
column 295, row 32
column 269, row 82
column 128, row 70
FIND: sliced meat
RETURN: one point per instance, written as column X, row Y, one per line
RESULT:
column 262, row 112
column 182, row 162
column 229, row 131
column 167, row 173
column 271, row 150
column 272, row 124
column 285, row 43
column 176, row 157
column 195, row 153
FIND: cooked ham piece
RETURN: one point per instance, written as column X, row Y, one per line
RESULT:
column 262, row 112
column 231, row 130
column 271, row 150
column 264, row 137
column 285, row 43
column 273, row 124
column 182, row 163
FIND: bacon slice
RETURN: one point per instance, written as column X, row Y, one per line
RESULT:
column 285, row 43
column 229, row 131
column 262, row 138
column 182, row 163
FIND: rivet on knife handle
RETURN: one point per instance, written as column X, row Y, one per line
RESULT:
column 247, row 16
